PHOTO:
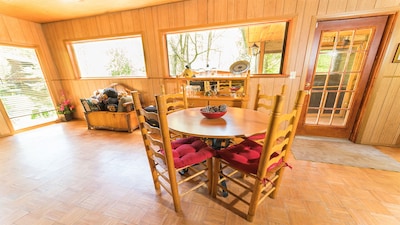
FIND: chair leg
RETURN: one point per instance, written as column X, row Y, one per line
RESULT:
column 210, row 175
column 174, row 190
column 215, row 177
column 254, row 200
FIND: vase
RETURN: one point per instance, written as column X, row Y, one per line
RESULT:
column 68, row 117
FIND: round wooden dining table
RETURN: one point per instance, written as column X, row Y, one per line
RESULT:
column 237, row 122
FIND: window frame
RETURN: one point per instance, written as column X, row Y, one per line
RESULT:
column 52, row 112
column 286, row 43
column 74, row 63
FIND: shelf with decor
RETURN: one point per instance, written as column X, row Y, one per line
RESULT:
column 216, row 90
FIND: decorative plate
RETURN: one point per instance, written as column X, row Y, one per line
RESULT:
column 239, row 67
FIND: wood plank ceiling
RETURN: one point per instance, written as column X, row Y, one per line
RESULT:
column 44, row 11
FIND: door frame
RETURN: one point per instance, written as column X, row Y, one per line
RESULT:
column 375, row 68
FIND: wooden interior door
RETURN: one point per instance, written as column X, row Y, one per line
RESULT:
column 342, row 56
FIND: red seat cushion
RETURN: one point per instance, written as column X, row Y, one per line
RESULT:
column 189, row 151
column 245, row 156
column 256, row 137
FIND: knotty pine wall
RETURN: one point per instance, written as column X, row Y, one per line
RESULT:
column 380, row 124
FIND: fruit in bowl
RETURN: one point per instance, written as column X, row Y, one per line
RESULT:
column 213, row 112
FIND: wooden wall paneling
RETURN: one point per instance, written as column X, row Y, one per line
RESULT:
column 270, row 7
column 201, row 11
column 351, row 6
column 299, row 53
column 291, row 6
column 103, row 25
column 176, row 15
column 322, row 7
column 336, row 6
column 163, row 12
column 117, row 24
column 127, row 21
column 155, row 89
column 210, row 12
column 150, row 42
column 220, row 11
column 134, row 83
column 52, row 38
column 59, row 54
column 4, row 35
column 385, row 3
column 66, row 30
column 397, row 70
column 300, row 24
column 239, row 8
column 193, row 13
column 255, row 9
column 90, row 24
column 15, row 31
column 148, row 92
column 26, row 31
column 376, row 112
column 390, row 125
column 365, row 4
column 137, row 21
column 370, row 110
column 79, row 29
column 37, row 36
column 232, row 11
column 280, row 6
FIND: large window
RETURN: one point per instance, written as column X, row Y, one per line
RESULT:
column 23, row 89
column 263, row 45
column 116, row 57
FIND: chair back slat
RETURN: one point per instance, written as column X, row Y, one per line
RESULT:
column 265, row 102
column 281, row 132
column 175, row 101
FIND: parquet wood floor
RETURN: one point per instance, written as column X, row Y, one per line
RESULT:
column 66, row 174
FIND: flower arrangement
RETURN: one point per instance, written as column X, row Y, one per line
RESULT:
column 65, row 107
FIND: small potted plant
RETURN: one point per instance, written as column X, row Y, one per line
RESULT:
column 66, row 108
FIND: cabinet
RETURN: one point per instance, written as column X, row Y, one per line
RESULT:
column 229, row 90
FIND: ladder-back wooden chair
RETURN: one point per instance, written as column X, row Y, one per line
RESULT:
column 263, row 165
column 175, row 101
column 264, row 103
column 166, row 158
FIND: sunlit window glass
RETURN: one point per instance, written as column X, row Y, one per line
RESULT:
column 23, row 89
column 217, row 49
column 122, row 57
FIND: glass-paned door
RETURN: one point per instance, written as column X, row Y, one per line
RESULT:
column 342, row 58
column 23, row 89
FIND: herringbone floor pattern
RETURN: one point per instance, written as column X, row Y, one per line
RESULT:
column 66, row 174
